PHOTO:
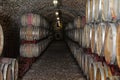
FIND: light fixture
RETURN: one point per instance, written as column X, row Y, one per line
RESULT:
column 55, row 2
column 56, row 13
column 58, row 18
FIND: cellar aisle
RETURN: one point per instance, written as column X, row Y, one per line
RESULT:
column 57, row 63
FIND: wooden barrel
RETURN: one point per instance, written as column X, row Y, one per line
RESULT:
column 88, row 35
column 100, row 39
column 6, row 71
column 1, row 39
column 14, row 65
column 94, row 38
column 88, row 11
column 106, row 10
column 110, row 44
column 92, row 69
column 102, row 72
column 77, row 22
column 113, row 78
column 30, row 33
column 29, row 50
column 30, row 19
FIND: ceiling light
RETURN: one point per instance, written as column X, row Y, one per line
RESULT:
column 56, row 13
column 58, row 18
column 55, row 2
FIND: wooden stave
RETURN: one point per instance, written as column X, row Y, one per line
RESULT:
column 117, row 46
column 1, row 74
column 101, row 40
column 112, row 56
column 94, row 38
column 88, row 36
column 1, row 40
column 88, row 11
column 92, row 4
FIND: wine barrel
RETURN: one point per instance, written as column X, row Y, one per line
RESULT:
column 100, row 39
column 29, row 50
column 30, row 19
column 30, row 33
column 77, row 22
column 94, row 38
column 88, row 9
column 6, row 71
column 113, row 78
column 1, row 39
column 14, row 65
column 110, row 44
column 93, row 69
column 102, row 72
column 88, row 35
column 106, row 10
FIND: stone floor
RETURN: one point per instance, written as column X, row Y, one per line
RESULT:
column 57, row 63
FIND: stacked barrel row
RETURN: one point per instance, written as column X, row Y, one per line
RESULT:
column 101, row 36
column 73, row 30
column 103, row 18
column 92, row 69
column 34, row 35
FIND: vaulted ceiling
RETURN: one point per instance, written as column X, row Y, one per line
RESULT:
column 69, row 8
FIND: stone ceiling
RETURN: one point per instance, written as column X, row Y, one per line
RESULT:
column 69, row 8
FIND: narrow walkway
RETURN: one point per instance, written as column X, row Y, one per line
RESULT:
column 57, row 63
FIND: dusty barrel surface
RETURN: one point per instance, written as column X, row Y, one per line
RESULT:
column 6, row 71
column 29, row 50
column 1, row 39
column 94, row 38
column 110, row 44
column 30, row 33
column 100, row 38
column 14, row 65
column 31, row 19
